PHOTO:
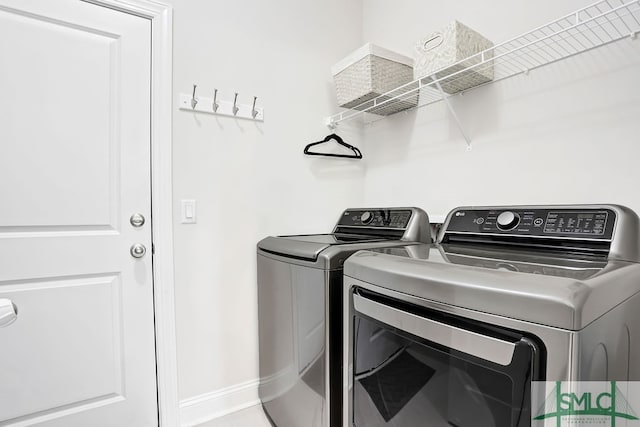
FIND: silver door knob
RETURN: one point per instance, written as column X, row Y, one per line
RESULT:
column 137, row 220
column 138, row 250
column 8, row 312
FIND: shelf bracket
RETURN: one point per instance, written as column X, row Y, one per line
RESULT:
column 330, row 123
column 445, row 98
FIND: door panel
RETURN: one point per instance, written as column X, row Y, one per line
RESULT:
column 83, row 363
column 75, row 165
column 65, row 159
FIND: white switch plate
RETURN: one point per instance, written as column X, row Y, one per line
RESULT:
column 189, row 212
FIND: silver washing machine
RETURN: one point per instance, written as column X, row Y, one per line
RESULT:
column 300, row 311
column 455, row 332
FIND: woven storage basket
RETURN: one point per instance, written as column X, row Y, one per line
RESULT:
column 370, row 72
column 438, row 51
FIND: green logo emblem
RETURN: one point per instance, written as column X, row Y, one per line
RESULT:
column 579, row 405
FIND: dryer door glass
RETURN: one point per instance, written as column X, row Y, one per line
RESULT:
column 434, row 369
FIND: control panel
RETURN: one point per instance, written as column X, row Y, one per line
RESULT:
column 379, row 218
column 538, row 222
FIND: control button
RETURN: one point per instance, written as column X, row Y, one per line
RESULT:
column 479, row 221
column 366, row 217
column 507, row 220
column 538, row 222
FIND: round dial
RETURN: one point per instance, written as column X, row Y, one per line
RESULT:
column 366, row 217
column 508, row 220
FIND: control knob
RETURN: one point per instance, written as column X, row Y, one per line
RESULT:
column 366, row 217
column 507, row 220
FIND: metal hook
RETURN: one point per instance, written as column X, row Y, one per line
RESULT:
column 194, row 101
column 215, row 100
column 254, row 112
column 235, row 107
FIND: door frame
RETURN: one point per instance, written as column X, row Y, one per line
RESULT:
column 161, row 17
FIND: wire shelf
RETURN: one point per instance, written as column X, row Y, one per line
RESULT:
column 597, row 25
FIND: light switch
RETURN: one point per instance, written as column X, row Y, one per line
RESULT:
column 188, row 211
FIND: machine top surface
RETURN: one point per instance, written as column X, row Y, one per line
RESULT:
column 332, row 239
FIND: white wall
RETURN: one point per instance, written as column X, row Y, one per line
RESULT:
column 250, row 179
column 566, row 133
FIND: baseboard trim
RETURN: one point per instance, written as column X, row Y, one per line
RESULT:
column 205, row 407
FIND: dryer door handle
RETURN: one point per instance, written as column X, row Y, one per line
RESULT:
column 478, row 345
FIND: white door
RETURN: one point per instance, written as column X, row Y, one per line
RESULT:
column 74, row 167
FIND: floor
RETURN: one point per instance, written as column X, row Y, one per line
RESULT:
column 250, row 417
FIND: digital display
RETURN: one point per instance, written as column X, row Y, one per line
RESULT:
column 376, row 218
column 399, row 219
column 582, row 223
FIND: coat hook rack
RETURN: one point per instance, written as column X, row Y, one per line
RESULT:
column 190, row 102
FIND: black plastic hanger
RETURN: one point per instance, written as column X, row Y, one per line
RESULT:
column 357, row 154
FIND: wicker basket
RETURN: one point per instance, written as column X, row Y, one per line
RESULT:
column 451, row 44
column 370, row 72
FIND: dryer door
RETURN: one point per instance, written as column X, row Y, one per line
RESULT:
column 414, row 364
